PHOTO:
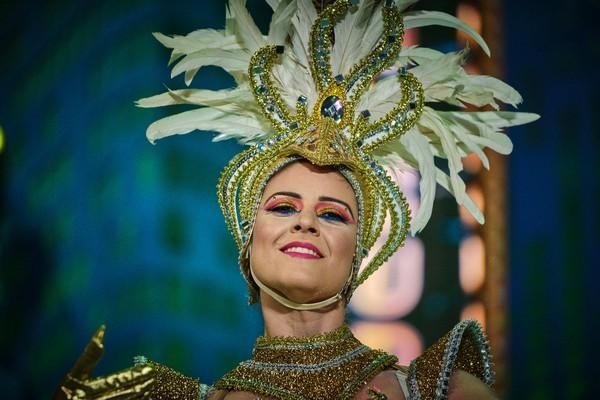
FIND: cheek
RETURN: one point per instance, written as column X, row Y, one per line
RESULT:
column 344, row 247
column 264, row 238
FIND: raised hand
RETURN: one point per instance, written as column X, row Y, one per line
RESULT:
column 133, row 383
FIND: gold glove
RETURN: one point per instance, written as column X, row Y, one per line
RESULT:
column 133, row 383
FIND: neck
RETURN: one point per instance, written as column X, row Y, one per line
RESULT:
column 282, row 321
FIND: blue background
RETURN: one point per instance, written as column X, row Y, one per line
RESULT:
column 98, row 226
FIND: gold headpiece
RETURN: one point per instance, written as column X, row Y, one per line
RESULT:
column 343, row 93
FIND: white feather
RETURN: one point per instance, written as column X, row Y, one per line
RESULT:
column 281, row 21
column 200, row 97
column 230, row 60
column 467, row 202
column 430, row 120
column 417, row 19
column 419, row 148
column 225, row 120
column 244, row 27
column 381, row 97
column 348, row 32
column 300, row 36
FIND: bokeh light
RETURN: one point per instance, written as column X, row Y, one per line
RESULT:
column 397, row 337
column 474, row 310
column 471, row 264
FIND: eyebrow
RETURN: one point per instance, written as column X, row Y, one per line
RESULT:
column 321, row 198
column 326, row 198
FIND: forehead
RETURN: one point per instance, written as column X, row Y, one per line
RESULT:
column 310, row 180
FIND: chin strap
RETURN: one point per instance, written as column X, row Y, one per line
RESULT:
column 293, row 305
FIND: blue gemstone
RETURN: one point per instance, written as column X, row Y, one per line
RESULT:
column 339, row 78
column 324, row 23
column 302, row 99
column 333, row 108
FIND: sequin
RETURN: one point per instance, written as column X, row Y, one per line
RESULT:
column 334, row 365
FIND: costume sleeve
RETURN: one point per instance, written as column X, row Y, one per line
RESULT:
column 170, row 384
column 465, row 347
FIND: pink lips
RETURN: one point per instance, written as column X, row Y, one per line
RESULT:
column 301, row 250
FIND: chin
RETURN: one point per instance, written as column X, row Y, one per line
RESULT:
column 301, row 291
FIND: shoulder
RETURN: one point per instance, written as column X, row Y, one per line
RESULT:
column 168, row 383
column 460, row 362
column 385, row 384
column 465, row 386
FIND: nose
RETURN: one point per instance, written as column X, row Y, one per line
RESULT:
column 306, row 222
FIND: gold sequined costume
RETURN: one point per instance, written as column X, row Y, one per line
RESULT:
column 331, row 366
column 339, row 89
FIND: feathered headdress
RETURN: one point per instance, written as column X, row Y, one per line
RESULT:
column 337, row 88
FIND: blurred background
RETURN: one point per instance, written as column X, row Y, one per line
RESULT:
column 98, row 226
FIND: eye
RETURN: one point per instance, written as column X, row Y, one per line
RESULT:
column 332, row 215
column 283, row 209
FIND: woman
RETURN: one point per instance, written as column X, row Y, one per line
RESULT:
column 308, row 199
column 302, row 252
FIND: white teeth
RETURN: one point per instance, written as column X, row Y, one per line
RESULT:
column 301, row 250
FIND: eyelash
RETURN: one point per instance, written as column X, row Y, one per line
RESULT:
column 283, row 208
column 329, row 214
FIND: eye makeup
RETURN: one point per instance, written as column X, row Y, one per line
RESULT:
column 282, row 202
column 324, row 208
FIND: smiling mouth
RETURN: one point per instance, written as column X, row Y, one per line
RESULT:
column 301, row 250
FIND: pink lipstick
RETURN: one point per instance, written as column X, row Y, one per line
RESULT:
column 302, row 250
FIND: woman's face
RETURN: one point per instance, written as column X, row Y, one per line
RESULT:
column 305, row 233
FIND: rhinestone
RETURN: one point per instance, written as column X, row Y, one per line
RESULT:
column 324, row 23
column 279, row 49
column 261, row 89
column 294, row 126
column 389, row 3
column 365, row 114
column 333, row 107
column 339, row 79
column 139, row 360
column 258, row 69
column 302, row 99
column 402, row 71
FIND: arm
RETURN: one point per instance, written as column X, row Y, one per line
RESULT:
column 143, row 381
column 133, row 383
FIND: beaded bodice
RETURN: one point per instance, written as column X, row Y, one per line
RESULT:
column 334, row 365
